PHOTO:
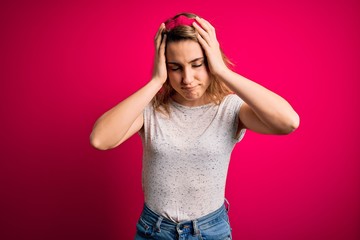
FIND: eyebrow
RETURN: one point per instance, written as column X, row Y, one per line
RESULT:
column 194, row 60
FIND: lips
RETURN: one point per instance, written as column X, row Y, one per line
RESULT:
column 189, row 88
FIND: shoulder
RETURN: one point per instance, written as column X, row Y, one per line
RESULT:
column 231, row 101
column 150, row 111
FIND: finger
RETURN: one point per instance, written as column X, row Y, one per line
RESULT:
column 204, row 24
column 207, row 26
column 162, row 46
column 207, row 23
column 203, row 33
column 203, row 42
column 158, row 35
column 159, row 31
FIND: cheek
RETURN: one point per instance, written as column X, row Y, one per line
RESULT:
column 203, row 75
column 174, row 77
column 173, row 81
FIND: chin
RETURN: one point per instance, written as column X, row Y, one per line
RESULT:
column 192, row 97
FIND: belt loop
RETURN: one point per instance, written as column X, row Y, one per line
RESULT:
column 178, row 229
column 227, row 205
column 195, row 228
column 158, row 223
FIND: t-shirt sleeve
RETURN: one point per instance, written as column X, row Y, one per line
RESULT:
column 234, row 104
column 146, row 116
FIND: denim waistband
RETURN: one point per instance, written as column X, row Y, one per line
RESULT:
column 159, row 222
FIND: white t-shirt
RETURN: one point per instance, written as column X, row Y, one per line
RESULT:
column 186, row 157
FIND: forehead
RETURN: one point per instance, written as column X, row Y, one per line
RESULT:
column 183, row 51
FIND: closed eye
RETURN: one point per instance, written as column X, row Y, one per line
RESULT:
column 174, row 68
column 197, row 65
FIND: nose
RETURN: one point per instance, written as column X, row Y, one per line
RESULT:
column 188, row 76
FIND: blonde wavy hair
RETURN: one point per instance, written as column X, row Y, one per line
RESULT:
column 216, row 91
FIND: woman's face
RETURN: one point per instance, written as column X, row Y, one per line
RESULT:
column 187, row 72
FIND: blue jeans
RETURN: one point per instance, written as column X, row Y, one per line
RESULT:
column 213, row 226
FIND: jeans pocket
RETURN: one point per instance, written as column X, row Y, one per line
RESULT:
column 144, row 229
column 227, row 220
column 217, row 230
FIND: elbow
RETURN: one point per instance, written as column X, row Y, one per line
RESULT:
column 291, row 124
column 97, row 143
column 296, row 122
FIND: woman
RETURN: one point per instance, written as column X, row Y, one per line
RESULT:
column 190, row 115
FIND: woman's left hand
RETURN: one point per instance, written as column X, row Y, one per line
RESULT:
column 207, row 39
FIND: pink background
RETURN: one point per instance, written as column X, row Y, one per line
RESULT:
column 64, row 64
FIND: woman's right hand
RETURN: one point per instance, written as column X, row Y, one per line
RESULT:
column 159, row 71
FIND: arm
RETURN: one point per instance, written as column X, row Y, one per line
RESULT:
column 263, row 110
column 126, row 118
